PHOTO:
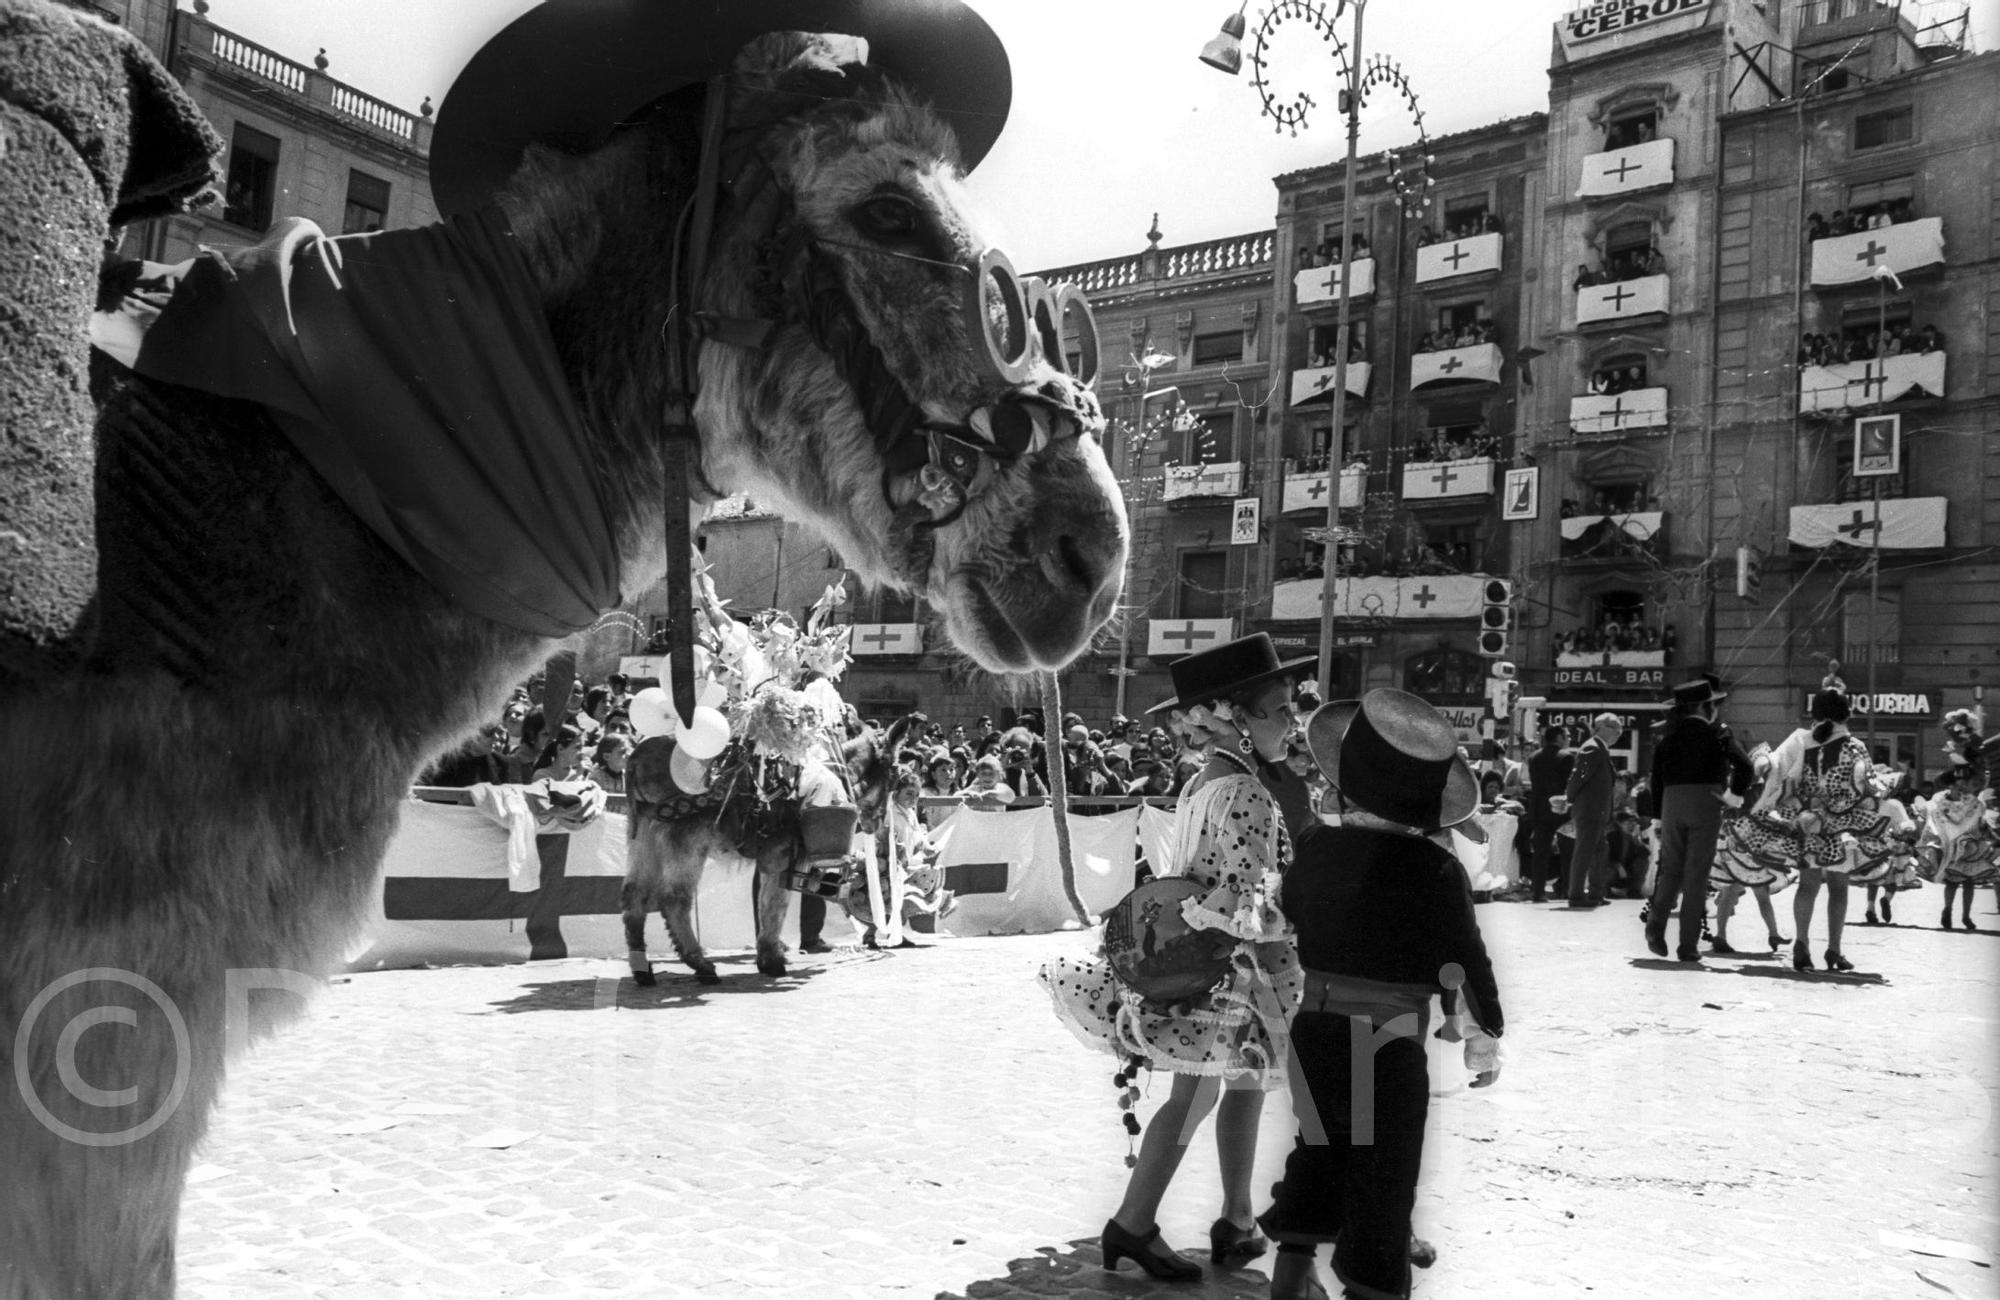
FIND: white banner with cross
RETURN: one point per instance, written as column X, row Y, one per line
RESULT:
column 1905, row 523
column 1308, row 491
column 1904, row 247
column 1430, row 479
column 1322, row 283
column 1622, row 299
column 1173, row 637
column 1479, row 362
column 1456, row 257
column 1449, row 596
column 1622, row 171
column 1641, row 408
column 886, row 639
column 1315, row 383
column 1856, row 384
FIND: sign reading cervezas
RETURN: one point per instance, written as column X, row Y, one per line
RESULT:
column 1610, row 17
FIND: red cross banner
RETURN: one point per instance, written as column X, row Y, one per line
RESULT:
column 1621, row 299
column 1450, row 596
column 1905, row 247
column 1317, row 284
column 1307, row 492
column 1456, row 257
column 1622, row 171
column 1642, row 408
column 1856, row 384
column 1479, row 363
column 1423, row 480
column 1315, row 383
column 1906, row 524
column 1170, row 638
column 886, row 639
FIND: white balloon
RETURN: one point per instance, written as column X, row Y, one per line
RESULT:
column 706, row 736
column 650, row 713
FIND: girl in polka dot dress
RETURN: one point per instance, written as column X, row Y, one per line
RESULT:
column 1229, row 1044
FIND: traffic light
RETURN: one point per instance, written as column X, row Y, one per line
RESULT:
column 1501, row 688
column 1496, row 617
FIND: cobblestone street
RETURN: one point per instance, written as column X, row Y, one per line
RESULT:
column 918, row 1124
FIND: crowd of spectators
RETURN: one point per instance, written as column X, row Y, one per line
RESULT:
column 1608, row 501
column 591, row 741
column 1444, row 338
column 1328, row 352
column 1609, row 381
column 1898, row 340
column 1458, row 442
column 1615, row 634
column 1872, row 216
column 1623, row 135
column 1327, row 251
column 1632, row 264
column 1484, row 223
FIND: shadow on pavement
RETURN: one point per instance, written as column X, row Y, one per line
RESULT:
column 1669, row 964
column 1815, row 976
column 677, row 987
column 1079, row 1272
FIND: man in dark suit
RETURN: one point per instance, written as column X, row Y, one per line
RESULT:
column 1589, row 798
column 1695, row 761
column 1548, row 775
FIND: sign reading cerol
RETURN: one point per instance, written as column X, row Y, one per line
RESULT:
column 1614, row 17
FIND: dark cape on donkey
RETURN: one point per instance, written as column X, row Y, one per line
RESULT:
column 206, row 745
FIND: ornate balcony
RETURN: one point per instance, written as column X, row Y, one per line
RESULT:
column 1315, row 383
column 1170, row 638
column 1615, row 537
column 1479, row 364
column 1454, row 595
column 865, row 639
column 1319, row 286
column 1904, row 248
column 1856, row 384
column 1627, row 171
column 1622, row 300
column 1223, row 478
column 1903, row 524
column 1437, row 480
column 1308, row 491
column 1641, row 408
column 1454, row 258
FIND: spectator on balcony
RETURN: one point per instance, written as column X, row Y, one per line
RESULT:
column 1840, row 225
column 1929, row 340
column 1329, row 251
column 1566, row 510
column 1488, row 331
column 1426, row 237
column 1880, row 221
column 1357, row 246
column 1899, row 211
column 1489, row 224
column 1653, row 263
column 1425, row 344
column 1816, row 227
column 1468, row 337
column 1306, row 260
column 1585, row 277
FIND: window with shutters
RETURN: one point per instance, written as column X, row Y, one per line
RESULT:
column 1214, row 349
column 367, row 204
column 251, row 189
column 1879, row 130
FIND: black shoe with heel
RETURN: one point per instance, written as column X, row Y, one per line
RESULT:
column 1229, row 1245
column 1148, row 1252
column 1801, row 959
column 1834, row 961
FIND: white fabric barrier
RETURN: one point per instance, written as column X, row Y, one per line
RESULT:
column 1024, row 842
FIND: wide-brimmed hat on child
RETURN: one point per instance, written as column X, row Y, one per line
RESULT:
column 1700, row 691
column 1394, row 755
column 1228, row 668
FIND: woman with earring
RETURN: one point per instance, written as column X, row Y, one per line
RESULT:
column 1840, row 822
column 1226, row 1048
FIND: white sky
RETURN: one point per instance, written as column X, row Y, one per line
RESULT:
column 1114, row 118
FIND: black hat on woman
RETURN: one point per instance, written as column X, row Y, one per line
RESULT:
column 1228, row 668
column 1394, row 755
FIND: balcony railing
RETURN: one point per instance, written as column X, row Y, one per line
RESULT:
column 1454, row 595
column 1170, row 638
column 1315, row 383
column 1320, row 285
column 1435, row 480
column 377, row 113
column 1641, row 408
column 1903, row 524
column 252, row 58
column 1307, row 491
column 1215, row 256
column 1856, row 384
column 885, row 639
column 1622, row 299
column 1626, row 171
column 1638, row 534
column 1905, row 248
column 1479, row 363
column 204, row 38
column 1216, row 479
column 1458, row 257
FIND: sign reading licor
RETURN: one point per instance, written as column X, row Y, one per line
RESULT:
column 1639, row 18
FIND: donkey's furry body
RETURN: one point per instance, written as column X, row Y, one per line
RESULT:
column 214, row 792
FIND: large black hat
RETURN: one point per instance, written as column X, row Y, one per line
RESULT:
column 568, row 71
column 1394, row 755
column 1702, row 690
column 1228, row 668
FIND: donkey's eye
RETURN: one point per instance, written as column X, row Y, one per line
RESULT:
column 888, row 216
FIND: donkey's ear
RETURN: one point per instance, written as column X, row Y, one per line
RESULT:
column 767, row 62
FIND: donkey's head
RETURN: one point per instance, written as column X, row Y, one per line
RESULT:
column 907, row 396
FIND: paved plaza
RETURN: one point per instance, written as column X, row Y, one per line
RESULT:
column 917, row 1124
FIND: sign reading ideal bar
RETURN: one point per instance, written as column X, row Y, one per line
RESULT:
column 1652, row 679
column 1614, row 17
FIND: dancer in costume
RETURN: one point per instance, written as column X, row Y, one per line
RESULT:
column 1230, row 836
column 1758, row 851
column 1958, row 847
column 1841, row 825
column 1897, row 870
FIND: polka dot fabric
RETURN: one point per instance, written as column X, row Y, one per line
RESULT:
column 1229, row 835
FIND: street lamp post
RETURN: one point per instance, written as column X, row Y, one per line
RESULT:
column 1224, row 53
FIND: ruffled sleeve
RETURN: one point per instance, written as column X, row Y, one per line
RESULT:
column 1235, row 841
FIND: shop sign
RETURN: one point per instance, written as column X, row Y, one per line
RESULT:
column 1620, row 678
column 1299, row 643
column 1465, row 720
column 1617, row 17
column 1887, row 704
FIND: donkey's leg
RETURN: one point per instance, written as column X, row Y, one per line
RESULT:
column 632, row 901
column 772, row 903
column 677, row 910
